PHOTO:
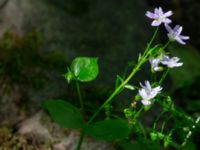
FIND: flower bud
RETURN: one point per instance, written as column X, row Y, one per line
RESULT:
column 69, row 76
column 153, row 136
column 128, row 113
column 160, row 135
column 137, row 97
column 147, row 107
column 169, row 100
column 167, row 141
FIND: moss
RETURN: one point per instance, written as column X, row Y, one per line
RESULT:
column 22, row 60
column 18, row 53
column 10, row 141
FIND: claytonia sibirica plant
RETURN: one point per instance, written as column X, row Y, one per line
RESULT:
column 117, row 127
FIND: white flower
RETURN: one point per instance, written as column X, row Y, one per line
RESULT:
column 175, row 34
column 159, row 16
column 154, row 64
column 171, row 62
column 147, row 92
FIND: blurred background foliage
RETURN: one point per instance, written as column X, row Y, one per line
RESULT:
column 40, row 38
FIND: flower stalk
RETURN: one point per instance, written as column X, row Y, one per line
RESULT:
column 80, row 96
column 121, row 86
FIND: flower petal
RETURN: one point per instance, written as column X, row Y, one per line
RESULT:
column 147, row 85
column 168, row 28
column 143, row 94
column 179, row 30
column 178, row 64
column 150, row 15
column 156, row 23
column 146, row 102
column 167, row 21
column 160, row 11
column 168, row 14
column 184, row 37
column 175, row 59
column 179, row 40
column 156, row 11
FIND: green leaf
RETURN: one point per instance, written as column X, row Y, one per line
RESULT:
column 85, row 68
column 112, row 129
column 65, row 114
column 118, row 81
column 130, row 87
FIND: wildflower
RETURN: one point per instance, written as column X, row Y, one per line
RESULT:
column 175, row 34
column 147, row 92
column 171, row 62
column 155, row 64
column 159, row 16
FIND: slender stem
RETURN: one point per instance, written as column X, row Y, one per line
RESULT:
column 157, row 119
column 150, row 43
column 139, row 111
column 115, row 92
column 163, row 76
column 120, row 87
column 165, row 46
column 80, row 96
column 109, row 100
column 80, row 140
column 142, row 129
column 164, row 123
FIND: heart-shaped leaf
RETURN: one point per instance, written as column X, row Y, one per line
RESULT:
column 112, row 129
column 64, row 113
column 85, row 68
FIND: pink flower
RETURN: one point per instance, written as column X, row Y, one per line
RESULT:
column 159, row 16
column 175, row 34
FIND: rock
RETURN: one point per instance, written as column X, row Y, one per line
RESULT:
column 113, row 32
column 40, row 129
column 33, row 126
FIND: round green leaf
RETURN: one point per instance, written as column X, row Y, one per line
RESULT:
column 85, row 68
column 64, row 113
column 112, row 129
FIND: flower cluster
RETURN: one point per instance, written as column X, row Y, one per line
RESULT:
column 147, row 92
column 160, row 17
column 164, row 60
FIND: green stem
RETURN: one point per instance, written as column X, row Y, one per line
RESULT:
column 139, row 111
column 142, row 129
column 157, row 119
column 80, row 140
column 80, row 96
column 150, row 43
column 109, row 100
column 163, row 76
column 120, row 87
column 164, row 123
column 165, row 46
